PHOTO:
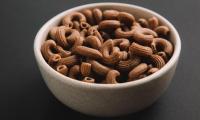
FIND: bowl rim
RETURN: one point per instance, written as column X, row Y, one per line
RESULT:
column 67, row 80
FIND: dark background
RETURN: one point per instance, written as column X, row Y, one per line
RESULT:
column 24, row 95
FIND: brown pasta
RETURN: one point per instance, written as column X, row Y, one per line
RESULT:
column 152, row 70
column 84, row 25
column 52, row 32
column 157, row 61
column 69, row 61
column 94, row 42
column 109, row 24
column 76, row 25
column 99, row 68
column 75, row 39
column 88, row 52
column 63, row 53
column 47, row 49
column 98, row 15
column 111, row 77
column 122, row 43
column 89, row 16
column 119, row 33
column 85, row 69
column 126, row 18
column 139, row 50
column 74, row 16
column 153, row 22
column 108, row 58
column 97, row 45
column 124, row 54
column 163, row 45
column 96, row 33
column 142, row 76
column 163, row 55
column 83, row 35
column 54, row 59
column 110, row 14
column 162, row 30
column 116, row 49
column 137, row 71
column 74, row 71
column 63, row 69
column 64, row 36
column 143, row 22
column 129, row 64
column 143, row 36
column 92, row 29
column 88, row 80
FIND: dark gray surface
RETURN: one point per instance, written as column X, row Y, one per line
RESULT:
column 24, row 95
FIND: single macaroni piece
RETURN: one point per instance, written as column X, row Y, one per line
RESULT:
column 93, row 41
column 152, row 70
column 157, row 61
column 88, row 80
column 47, row 49
column 84, row 25
column 111, row 77
column 143, row 22
column 162, row 30
column 85, row 69
column 126, row 18
column 98, row 15
column 54, row 59
column 163, row 55
column 74, row 16
column 153, row 22
column 109, row 24
column 88, row 52
column 128, row 64
column 137, row 71
column 110, row 14
column 74, row 71
column 163, row 44
column 139, row 50
column 63, row 69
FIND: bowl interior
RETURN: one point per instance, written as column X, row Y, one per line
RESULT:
column 137, row 11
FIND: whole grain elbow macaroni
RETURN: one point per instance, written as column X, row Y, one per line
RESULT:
column 110, row 45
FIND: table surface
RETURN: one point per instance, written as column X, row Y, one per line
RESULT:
column 24, row 95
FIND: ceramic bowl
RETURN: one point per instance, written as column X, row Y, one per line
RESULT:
column 108, row 99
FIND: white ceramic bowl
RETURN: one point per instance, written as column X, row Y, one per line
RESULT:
column 108, row 99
